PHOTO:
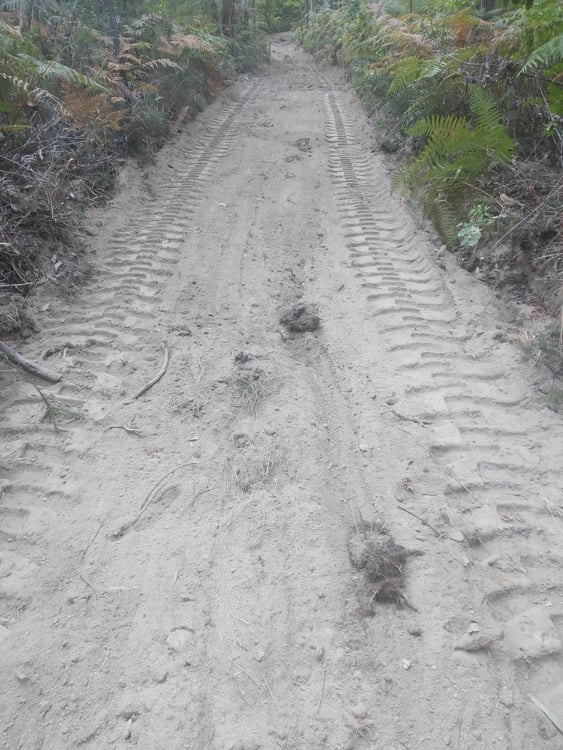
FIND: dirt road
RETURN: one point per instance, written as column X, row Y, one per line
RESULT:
column 195, row 568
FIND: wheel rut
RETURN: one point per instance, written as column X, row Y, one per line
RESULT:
column 495, row 445
column 129, row 276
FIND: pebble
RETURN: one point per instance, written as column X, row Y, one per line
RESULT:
column 178, row 639
column 158, row 673
column 506, row 697
column 364, row 448
column 406, row 664
column 359, row 711
column 414, row 629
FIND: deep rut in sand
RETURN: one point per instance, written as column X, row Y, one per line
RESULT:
column 182, row 570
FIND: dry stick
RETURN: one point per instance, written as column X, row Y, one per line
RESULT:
column 129, row 430
column 322, row 689
column 162, row 482
column 271, row 694
column 85, row 552
column 550, row 715
column 157, row 377
column 418, row 518
column 25, row 364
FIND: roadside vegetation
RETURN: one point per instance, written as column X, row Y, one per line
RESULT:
column 83, row 84
column 468, row 96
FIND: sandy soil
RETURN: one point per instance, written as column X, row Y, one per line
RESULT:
column 202, row 578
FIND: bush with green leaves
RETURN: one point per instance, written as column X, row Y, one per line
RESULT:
column 458, row 153
column 476, row 97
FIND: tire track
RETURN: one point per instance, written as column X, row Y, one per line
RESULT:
column 113, row 317
column 478, row 426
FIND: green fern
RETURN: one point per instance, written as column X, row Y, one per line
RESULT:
column 549, row 54
column 490, row 131
column 458, row 152
column 446, row 220
column 404, row 72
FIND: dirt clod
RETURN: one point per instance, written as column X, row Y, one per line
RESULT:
column 299, row 319
column 372, row 549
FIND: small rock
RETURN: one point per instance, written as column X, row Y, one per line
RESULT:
column 456, row 536
column 391, row 401
column 406, row 664
column 478, row 641
column 363, row 447
column 128, row 709
column 414, row 629
column 506, row 697
column 359, row 711
column 178, row 639
column 158, row 673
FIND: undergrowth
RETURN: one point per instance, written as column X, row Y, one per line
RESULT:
column 83, row 85
column 546, row 348
column 471, row 104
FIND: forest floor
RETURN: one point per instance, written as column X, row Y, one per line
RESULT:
column 343, row 538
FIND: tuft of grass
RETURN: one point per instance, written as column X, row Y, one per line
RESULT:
column 55, row 412
column 546, row 348
column 248, row 391
column 554, row 398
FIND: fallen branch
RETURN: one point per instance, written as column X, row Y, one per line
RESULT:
column 128, row 430
column 153, row 494
column 157, row 377
column 31, row 367
column 418, row 518
column 550, row 715
column 322, row 689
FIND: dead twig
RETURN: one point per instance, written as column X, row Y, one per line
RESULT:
column 128, row 430
column 157, row 377
column 322, row 690
column 546, row 710
column 28, row 366
column 422, row 521
column 92, row 540
column 157, row 488
column 273, row 697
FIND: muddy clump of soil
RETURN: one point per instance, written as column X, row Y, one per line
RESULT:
column 372, row 549
column 299, row 319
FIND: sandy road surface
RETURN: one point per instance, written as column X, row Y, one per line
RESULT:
column 189, row 583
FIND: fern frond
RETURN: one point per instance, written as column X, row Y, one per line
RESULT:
column 446, row 220
column 546, row 56
column 52, row 70
column 404, row 72
column 162, row 62
column 443, row 126
column 491, row 131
